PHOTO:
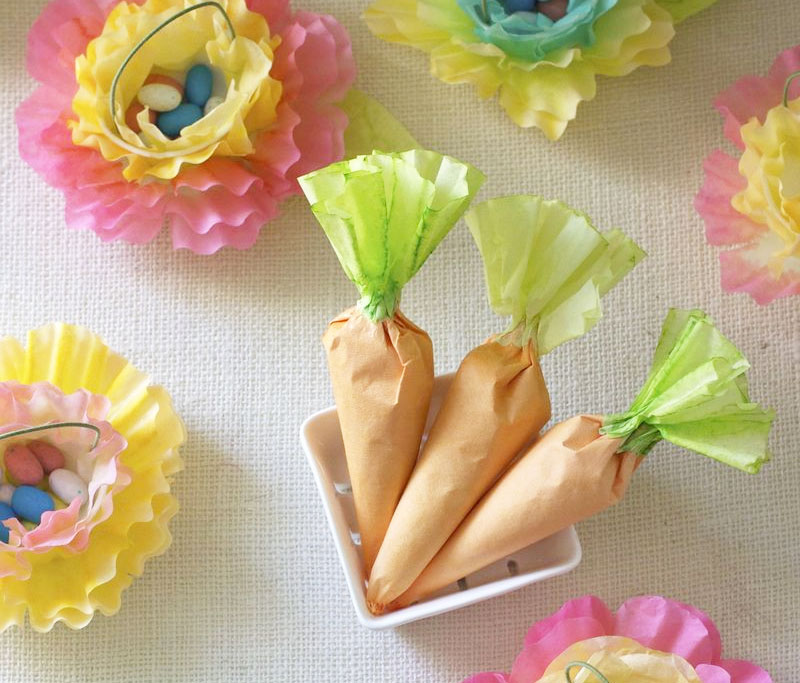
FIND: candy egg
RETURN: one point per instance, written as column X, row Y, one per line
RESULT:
column 5, row 513
column 68, row 486
column 131, row 115
column 49, row 457
column 6, row 491
column 520, row 6
column 22, row 467
column 160, row 93
column 171, row 123
column 31, row 503
column 553, row 9
column 199, row 82
column 212, row 104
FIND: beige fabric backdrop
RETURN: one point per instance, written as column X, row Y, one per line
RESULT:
column 252, row 590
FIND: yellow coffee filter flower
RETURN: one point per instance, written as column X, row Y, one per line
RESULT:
column 771, row 165
column 620, row 660
column 543, row 93
column 70, row 586
column 200, row 36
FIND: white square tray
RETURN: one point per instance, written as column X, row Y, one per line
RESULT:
column 322, row 442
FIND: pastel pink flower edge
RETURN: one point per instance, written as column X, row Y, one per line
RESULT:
column 741, row 268
column 24, row 406
column 653, row 621
column 221, row 202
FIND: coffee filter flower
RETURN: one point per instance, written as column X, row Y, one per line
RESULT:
column 648, row 638
column 540, row 69
column 79, row 560
column 750, row 201
column 282, row 78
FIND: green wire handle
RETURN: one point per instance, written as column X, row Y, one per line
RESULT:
column 113, row 96
column 486, row 16
column 583, row 665
column 786, row 87
column 54, row 425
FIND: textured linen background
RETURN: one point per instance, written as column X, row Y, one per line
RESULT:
column 251, row 589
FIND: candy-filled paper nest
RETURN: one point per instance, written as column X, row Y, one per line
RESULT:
column 194, row 116
column 487, row 482
column 89, row 449
column 542, row 57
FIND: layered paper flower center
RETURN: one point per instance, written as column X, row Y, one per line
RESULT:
column 241, row 67
column 771, row 165
column 68, row 526
column 531, row 36
column 621, row 660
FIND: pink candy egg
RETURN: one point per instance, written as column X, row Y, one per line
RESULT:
column 554, row 9
column 49, row 457
column 22, row 467
column 160, row 93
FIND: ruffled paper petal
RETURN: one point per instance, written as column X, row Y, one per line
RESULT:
column 544, row 92
column 488, row 677
column 733, row 671
column 665, row 625
column 307, row 134
column 71, row 587
column 683, row 9
column 547, row 266
column 385, row 213
column 622, row 660
column 746, row 270
column 753, row 96
column 372, row 127
column 724, row 224
column 696, row 397
column 531, row 36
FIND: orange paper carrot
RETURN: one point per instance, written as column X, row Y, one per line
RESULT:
column 384, row 214
column 547, row 267
column 695, row 397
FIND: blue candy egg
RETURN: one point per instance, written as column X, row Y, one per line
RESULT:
column 520, row 6
column 30, row 503
column 171, row 123
column 198, row 85
column 5, row 513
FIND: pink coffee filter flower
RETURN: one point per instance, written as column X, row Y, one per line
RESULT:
column 676, row 640
column 750, row 204
column 221, row 196
column 23, row 406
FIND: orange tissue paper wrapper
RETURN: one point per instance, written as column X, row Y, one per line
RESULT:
column 695, row 397
column 384, row 214
column 547, row 267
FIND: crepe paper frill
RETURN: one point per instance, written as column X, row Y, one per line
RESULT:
column 648, row 638
column 541, row 69
column 547, row 268
column 80, row 559
column 384, row 214
column 750, row 201
column 225, row 177
column 695, row 396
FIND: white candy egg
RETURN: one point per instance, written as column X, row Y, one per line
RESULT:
column 67, row 486
column 159, row 96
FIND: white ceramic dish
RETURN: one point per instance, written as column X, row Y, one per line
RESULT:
column 322, row 441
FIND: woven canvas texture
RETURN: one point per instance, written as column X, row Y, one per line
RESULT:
column 251, row 589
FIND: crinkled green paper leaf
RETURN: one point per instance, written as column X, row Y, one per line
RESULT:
column 696, row 397
column 385, row 213
column 372, row 127
column 683, row 9
column 547, row 267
